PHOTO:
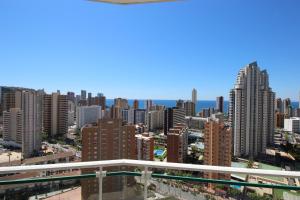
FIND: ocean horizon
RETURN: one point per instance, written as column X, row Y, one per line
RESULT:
column 202, row 104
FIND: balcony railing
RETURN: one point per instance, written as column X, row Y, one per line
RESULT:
column 145, row 175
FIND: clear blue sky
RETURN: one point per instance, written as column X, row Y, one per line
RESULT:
column 158, row 51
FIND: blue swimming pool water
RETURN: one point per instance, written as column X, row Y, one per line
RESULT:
column 238, row 187
column 158, row 152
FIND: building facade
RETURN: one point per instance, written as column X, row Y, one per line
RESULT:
column 177, row 144
column 144, row 147
column 107, row 140
column 220, row 104
column 55, row 116
column 292, row 125
column 87, row 114
column 217, row 151
column 252, row 112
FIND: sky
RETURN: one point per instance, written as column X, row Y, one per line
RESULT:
column 156, row 51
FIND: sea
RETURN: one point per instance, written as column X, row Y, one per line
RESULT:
column 202, row 104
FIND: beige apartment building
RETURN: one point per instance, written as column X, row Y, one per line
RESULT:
column 217, row 147
column 177, row 144
column 55, row 116
column 108, row 139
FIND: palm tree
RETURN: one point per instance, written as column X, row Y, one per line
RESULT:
column 9, row 154
column 250, row 165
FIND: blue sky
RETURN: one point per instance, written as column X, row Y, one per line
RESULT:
column 158, row 51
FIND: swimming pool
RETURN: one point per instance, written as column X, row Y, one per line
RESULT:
column 159, row 152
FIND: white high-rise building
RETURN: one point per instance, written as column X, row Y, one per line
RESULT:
column 23, row 123
column 13, row 125
column 194, row 96
column 87, row 114
column 292, row 125
column 155, row 119
column 148, row 104
column 252, row 112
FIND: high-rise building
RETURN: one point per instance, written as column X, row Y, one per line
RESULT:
column 107, row 140
column 297, row 112
column 148, row 104
column 279, row 120
column 136, row 104
column 87, row 115
column 220, row 104
column 128, row 115
column 71, row 96
column 155, row 119
column 140, row 116
column 217, row 151
column 180, row 104
column 190, row 108
column 13, row 125
column 23, row 121
column 55, row 114
column 292, row 125
column 278, row 105
column 90, row 98
column 99, row 101
column 207, row 112
column 286, row 107
column 121, row 103
column 177, row 144
column 83, row 95
column 252, row 112
column 173, row 116
column 144, row 146
column 194, row 96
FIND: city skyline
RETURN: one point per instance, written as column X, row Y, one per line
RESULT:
column 152, row 56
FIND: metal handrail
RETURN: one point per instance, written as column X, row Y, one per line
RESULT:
column 149, row 164
column 153, row 175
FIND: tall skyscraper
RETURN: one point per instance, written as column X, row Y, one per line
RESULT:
column 55, row 114
column 144, row 146
column 90, row 98
column 173, row 116
column 13, row 125
column 108, row 140
column 278, row 105
column 136, row 104
column 99, row 101
column 87, row 115
column 217, row 151
column 83, row 95
column 148, row 104
column 252, row 112
column 220, row 104
column 279, row 120
column 177, row 143
column 194, row 96
column 190, row 108
column 23, row 120
column 140, row 116
column 155, row 120
column 121, row 103
column 71, row 96
column 180, row 103
column 286, row 107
